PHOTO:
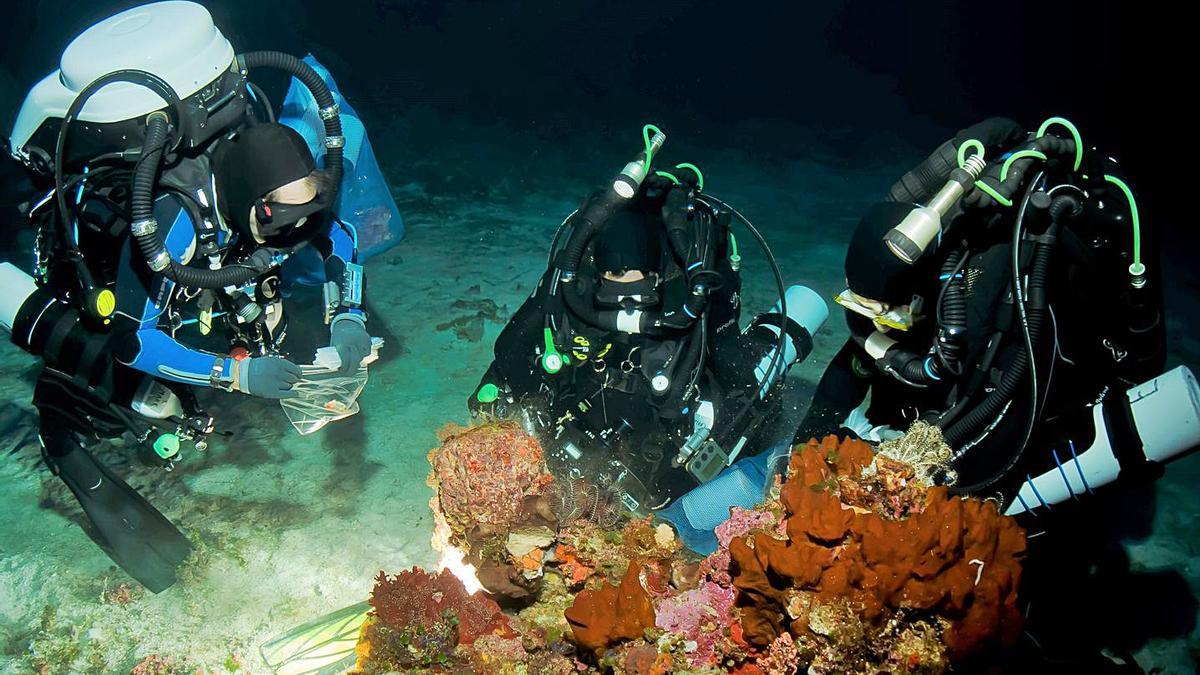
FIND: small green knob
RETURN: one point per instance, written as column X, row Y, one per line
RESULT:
column 552, row 360
column 488, row 393
column 166, row 446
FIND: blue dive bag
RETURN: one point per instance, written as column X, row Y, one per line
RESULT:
column 364, row 200
column 744, row 484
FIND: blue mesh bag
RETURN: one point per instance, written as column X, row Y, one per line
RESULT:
column 364, row 200
column 696, row 514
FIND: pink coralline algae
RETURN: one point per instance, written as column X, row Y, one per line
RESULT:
column 782, row 658
column 741, row 522
column 702, row 616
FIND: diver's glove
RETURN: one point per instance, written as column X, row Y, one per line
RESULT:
column 348, row 335
column 997, row 134
column 267, row 377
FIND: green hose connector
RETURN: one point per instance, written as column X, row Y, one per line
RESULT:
column 695, row 169
column 1065, row 123
column 1021, row 154
column 735, row 260
column 669, row 176
column 991, row 192
column 552, row 360
column 647, row 139
column 979, row 184
column 166, row 446
column 966, row 145
column 1136, row 269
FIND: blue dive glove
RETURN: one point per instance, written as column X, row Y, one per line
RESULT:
column 267, row 377
column 348, row 335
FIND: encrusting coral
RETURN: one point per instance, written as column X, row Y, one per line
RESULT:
column 491, row 500
column 609, row 615
column 860, row 565
column 482, row 476
column 882, row 552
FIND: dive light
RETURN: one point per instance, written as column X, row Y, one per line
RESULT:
column 627, row 183
column 909, row 240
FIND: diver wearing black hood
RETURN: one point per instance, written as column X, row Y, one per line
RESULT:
column 628, row 359
column 167, row 200
column 1003, row 301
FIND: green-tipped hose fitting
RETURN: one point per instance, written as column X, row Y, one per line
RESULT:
column 1136, row 269
column 1020, row 154
column 695, row 169
column 552, row 360
column 166, row 446
column 652, row 142
column 1066, row 124
column 488, row 393
column 979, row 164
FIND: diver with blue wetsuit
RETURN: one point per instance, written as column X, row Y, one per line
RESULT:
column 629, row 361
column 171, row 200
column 268, row 192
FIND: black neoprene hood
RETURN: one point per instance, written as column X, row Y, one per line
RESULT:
column 872, row 270
column 630, row 240
column 250, row 165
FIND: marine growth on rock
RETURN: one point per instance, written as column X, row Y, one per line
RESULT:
column 860, row 565
column 858, row 536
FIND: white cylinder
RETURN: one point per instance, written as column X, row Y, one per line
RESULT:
column 17, row 287
column 808, row 310
column 1167, row 412
column 1072, row 475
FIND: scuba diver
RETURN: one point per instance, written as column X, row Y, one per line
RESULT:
column 1004, row 293
column 628, row 360
column 172, row 198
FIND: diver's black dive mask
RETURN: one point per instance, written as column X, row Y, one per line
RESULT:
column 630, row 240
column 640, row 294
column 276, row 220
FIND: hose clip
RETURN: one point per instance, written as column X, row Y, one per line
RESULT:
column 332, row 142
column 160, row 261
column 143, row 227
column 158, row 113
column 329, row 113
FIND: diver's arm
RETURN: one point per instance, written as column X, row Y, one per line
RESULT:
column 344, row 282
column 143, row 298
column 343, row 295
column 152, row 351
column 843, row 387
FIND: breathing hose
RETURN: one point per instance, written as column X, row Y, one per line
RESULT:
column 1061, row 209
column 952, row 313
column 145, row 229
column 1018, row 369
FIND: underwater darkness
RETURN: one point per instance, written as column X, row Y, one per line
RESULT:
column 491, row 120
